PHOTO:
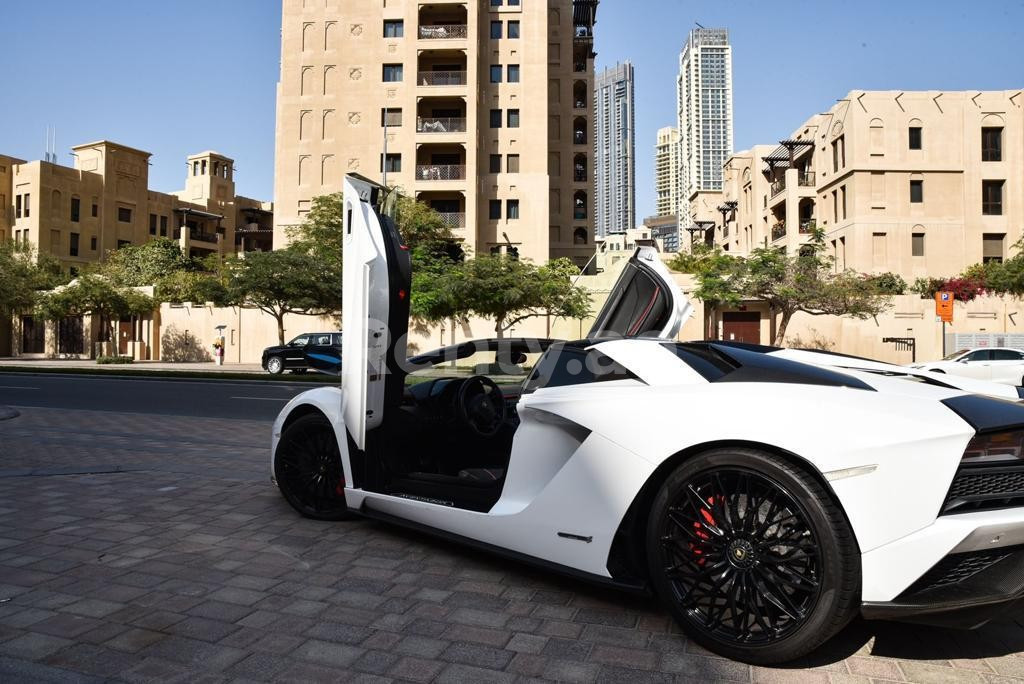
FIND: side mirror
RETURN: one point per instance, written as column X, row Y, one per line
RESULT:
column 962, row 360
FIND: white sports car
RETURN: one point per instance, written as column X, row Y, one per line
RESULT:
column 764, row 500
column 995, row 364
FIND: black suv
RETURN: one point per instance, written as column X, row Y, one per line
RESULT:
column 292, row 356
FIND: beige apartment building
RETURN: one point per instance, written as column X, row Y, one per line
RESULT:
column 918, row 183
column 666, row 171
column 77, row 214
column 483, row 110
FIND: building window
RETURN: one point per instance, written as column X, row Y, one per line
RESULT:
column 123, row 243
column 95, row 210
column 76, row 209
column 124, row 214
column 28, row 204
column 163, row 226
column 394, row 28
column 495, row 29
column 992, row 197
column 917, row 244
column 195, row 168
column 494, row 209
column 152, row 224
column 916, row 191
column 513, row 29
column 392, row 73
column 92, row 243
column 512, row 209
column 842, row 200
column 513, row 118
column 73, row 244
column 513, row 73
column 17, row 206
column 838, row 153
column 496, row 3
column 513, row 3
column 495, row 73
column 392, row 163
column 495, row 118
column 914, row 137
column 391, row 116
column 992, row 248
column 579, row 236
column 512, row 163
column 495, row 163
column 991, row 144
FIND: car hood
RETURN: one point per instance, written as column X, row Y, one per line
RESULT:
column 276, row 348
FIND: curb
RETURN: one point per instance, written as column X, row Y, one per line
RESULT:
column 7, row 413
column 310, row 378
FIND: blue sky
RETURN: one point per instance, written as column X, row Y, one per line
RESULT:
column 189, row 75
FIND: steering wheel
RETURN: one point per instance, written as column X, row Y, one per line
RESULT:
column 481, row 405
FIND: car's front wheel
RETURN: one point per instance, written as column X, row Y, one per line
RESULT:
column 275, row 365
column 307, row 467
column 751, row 556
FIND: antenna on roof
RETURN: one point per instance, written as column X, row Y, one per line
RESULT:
column 699, row 25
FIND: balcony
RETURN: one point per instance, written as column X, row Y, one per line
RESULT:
column 441, row 78
column 197, row 234
column 440, row 172
column 453, row 219
column 778, row 231
column 806, row 180
column 778, row 186
column 440, row 124
column 444, row 32
column 808, row 227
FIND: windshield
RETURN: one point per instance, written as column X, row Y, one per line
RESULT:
column 504, row 371
column 955, row 355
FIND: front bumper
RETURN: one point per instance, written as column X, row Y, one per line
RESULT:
column 964, row 590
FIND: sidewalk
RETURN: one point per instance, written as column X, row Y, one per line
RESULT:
column 74, row 364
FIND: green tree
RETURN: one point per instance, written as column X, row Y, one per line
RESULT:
column 94, row 294
column 23, row 275
column 806, row 282
column 192, row 286
column 281, row 282
column 145, row 264
column 508, row 290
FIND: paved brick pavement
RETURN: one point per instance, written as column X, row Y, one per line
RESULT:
column 141, row 551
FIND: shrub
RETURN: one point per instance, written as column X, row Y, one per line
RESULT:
column 108, row 360
column 888, row 283
column 815, row 341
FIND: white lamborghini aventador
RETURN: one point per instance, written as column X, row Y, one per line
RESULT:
column 765, row 496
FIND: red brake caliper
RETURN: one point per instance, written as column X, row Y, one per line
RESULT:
column 698, row 529
column 339, row 488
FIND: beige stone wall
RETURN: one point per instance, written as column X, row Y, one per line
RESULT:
column 332, row 93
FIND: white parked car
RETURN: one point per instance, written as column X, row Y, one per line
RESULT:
column 764, row 500
column 995, row 364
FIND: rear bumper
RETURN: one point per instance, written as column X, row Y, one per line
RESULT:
column 963, row 590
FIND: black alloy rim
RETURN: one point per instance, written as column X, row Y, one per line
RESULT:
column 740, row 556
column 310, row 469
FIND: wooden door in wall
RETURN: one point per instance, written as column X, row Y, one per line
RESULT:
column 125, row 335
column 741, row 326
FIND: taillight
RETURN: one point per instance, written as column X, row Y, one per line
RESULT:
column 995, row 447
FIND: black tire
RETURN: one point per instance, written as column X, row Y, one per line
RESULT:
column 275, row 366
column 307, row 467
column 757, row 590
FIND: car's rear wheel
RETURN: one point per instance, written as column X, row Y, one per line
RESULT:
column 307, row 467
column 275, row 365
column 751, row 556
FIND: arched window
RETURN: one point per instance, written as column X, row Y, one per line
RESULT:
column 579, row 168
column 579, row 95
column 579, row 236
column 877, row 139
column 579, row 131
column 579, row 205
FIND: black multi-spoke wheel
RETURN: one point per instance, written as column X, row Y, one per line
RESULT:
column 751, row 555
column 307, row 466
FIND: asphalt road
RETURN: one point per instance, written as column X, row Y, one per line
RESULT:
column 193, row 398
